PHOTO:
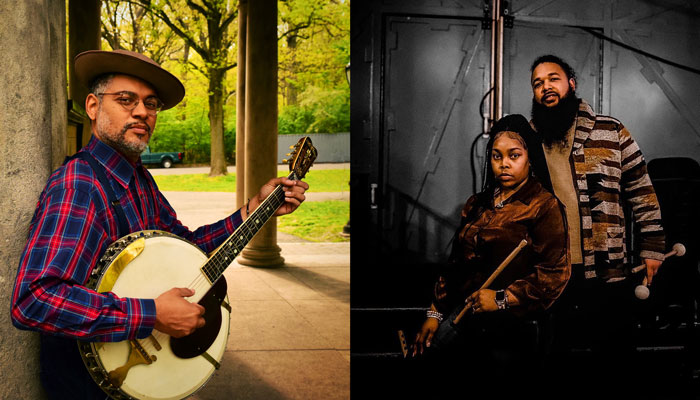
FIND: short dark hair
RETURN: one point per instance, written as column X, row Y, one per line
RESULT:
column 100, row 83
column 550, row 58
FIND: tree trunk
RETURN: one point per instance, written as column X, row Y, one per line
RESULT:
column 292, row 91
column 216, row 121
column 185, row 58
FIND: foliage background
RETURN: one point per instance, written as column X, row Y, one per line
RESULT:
column 314, row 50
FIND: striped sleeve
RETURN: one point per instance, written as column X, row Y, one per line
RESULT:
column 641, row 198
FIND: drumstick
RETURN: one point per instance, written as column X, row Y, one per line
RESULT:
column 678, row 250
column 642, row 291
column 495, row 273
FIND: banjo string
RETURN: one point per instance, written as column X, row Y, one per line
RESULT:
column 201, row 281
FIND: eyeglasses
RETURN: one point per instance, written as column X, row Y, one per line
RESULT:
column 129, row 100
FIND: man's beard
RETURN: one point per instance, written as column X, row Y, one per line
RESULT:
column 117, row 140
column 553, row 123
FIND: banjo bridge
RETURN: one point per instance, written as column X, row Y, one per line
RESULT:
column 137, row 355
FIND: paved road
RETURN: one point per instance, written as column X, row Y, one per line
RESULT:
column 181, row 170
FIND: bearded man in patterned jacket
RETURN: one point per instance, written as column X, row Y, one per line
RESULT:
column 598, row 172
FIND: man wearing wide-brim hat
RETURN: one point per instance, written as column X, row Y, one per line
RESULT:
column 92, row 200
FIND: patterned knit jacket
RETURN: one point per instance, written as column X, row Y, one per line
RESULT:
column 610, row 173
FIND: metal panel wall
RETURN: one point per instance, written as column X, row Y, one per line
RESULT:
column 419, row 70
column 657, row 102
column 435, row 73
column 413, row 117
column 527, row 41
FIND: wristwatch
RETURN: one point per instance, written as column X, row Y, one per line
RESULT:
column 501, row 299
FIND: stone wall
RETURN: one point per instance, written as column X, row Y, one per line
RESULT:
column 32, row 143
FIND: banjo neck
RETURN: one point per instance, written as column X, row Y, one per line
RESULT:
column 214, row 268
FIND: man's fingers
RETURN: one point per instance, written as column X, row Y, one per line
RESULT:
column 184, row 292
column 295, row 192
column 295, row 200
column 289, row 183
column 652, row 268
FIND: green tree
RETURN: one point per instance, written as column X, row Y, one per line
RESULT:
column 314, row 50
column 200, row 36
column 128, row 26
column 206, row 28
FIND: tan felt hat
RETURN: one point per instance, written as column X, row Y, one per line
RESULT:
column 93, row 63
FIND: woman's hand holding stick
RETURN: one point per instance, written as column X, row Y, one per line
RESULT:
column 495, row 273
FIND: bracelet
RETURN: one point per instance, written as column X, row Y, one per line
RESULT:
column 434, row 314
column 247, row 213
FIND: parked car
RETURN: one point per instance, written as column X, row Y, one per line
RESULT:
column 166, row 159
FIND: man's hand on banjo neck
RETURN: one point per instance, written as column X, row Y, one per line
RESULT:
column 293, row 195
column 178, row 317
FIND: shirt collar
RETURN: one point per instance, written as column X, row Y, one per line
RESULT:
column 117, row 166
column 525, row 193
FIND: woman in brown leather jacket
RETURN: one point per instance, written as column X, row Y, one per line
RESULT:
column 513, row 206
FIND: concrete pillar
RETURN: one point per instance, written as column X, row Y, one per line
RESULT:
column 261, row 123
column 240, row 103
column 32, row 128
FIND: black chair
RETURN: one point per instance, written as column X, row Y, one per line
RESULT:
column 677, row 184
column 668, row 318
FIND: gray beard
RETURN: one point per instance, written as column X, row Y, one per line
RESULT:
column 117, row 140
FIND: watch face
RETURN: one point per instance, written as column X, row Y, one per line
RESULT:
column 500, row 295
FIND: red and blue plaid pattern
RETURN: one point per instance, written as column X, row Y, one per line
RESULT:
column 72, row 226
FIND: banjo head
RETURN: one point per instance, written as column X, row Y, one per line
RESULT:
column 144, row 265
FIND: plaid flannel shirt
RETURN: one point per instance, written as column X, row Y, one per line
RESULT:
column 72, row 226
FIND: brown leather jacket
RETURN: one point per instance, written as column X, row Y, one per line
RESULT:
column 488, row 234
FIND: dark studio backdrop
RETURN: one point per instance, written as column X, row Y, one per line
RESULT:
column 419, row 72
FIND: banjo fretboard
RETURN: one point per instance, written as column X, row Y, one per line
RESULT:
column 232, row 247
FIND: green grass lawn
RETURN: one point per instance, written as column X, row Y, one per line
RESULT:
column 322, row 180
column 317, row 221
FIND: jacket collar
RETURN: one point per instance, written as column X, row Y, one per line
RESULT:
column 585, row 119
column 115, row 164
column 526, row 193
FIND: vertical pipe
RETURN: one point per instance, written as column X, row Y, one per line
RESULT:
column 499, row 64
column 492, row 68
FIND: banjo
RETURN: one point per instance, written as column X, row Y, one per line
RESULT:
column 161, row 366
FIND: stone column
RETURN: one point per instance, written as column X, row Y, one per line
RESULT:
column 32, row 128
column 240, row 104
column 261, row 123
